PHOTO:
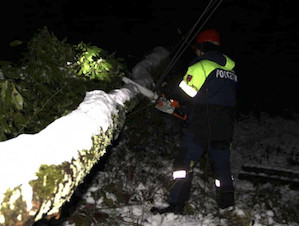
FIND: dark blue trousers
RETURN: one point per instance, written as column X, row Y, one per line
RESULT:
column 192, row 152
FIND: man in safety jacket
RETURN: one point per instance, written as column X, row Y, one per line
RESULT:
column 210, row 82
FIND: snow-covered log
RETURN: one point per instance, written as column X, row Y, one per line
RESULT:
column 39, row 172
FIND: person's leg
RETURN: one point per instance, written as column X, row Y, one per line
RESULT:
column 219, row 154
column 185, row 161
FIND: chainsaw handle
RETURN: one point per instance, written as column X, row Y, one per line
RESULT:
column 179, row 114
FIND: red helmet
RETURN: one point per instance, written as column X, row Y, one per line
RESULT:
column 209, row 35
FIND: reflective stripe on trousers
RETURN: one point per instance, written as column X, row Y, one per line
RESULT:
column 219, row 160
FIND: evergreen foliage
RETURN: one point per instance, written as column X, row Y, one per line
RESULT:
column 50, row 81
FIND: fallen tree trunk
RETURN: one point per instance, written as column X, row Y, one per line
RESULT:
column 263, row 174
column 40, row 172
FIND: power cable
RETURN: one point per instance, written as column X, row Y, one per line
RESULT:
column 179, row 53
column 185, row 39
column 182, row 48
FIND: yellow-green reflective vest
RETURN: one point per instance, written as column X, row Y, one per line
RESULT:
column 198, row 73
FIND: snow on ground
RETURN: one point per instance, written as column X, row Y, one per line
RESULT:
column 272, row 141
column 137, row 176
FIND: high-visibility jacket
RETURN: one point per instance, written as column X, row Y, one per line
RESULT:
column 211, row 80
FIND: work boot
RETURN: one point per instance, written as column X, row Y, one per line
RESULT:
column 176, row 209
column 225, row 200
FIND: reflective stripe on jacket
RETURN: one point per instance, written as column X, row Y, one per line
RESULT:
column 209, row 82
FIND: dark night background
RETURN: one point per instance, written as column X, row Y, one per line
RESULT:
column 261, row 36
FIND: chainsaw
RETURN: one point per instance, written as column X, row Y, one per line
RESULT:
column 161, row 102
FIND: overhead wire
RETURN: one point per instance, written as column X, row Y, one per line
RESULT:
column 187, row 42
column 185, row 39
